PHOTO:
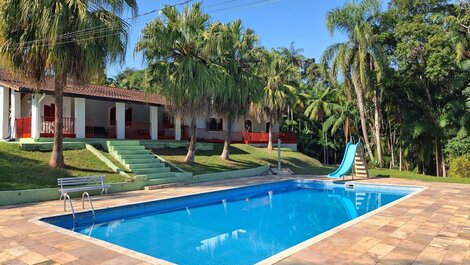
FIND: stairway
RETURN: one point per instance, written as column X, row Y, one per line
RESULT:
column 360, row 166
column 143, row 163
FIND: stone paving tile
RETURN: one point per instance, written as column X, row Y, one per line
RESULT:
column 432, row 227
column 62, row 257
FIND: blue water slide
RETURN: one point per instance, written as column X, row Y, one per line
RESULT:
column 347, row 163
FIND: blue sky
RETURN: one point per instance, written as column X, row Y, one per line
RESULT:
column 277, row 23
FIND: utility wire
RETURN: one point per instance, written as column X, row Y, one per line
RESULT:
column 81, row 35
column 244, row 5
column 95, row 29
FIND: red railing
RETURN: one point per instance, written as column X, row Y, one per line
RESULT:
column 263, row 137
column 166, row 133
column 23, row 127
column 48, row 126
column 89, row 128
column 255, row 137
column 112, row 130
column 138, row 130
column 210, row 136
column 205, row 135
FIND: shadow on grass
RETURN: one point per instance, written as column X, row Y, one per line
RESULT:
column 87, row 170
column 19, row 172
column 182, row 151
column 30, row 170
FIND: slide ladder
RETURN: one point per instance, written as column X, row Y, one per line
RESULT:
column 354, row 155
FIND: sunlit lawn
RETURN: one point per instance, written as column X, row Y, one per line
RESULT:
column 27, row 170
column 243, row 156
column 413, row 175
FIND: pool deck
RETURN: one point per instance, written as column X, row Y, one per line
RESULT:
column 432, row 227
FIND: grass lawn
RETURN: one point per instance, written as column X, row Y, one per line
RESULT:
column 243, row 156
column 413, row 175
column 29, row 170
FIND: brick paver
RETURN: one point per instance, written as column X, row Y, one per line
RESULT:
column 432, row 227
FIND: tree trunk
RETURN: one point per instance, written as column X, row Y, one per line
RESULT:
column 392, row 149
column 377, row 124
column 346, row 130
column 362, row 114
column 436, row 147
column 399, row 158
column 189, row 159
column 228, row 139
column 443, row 161
column 57, row 157
column 270, row 135
column 326, row 149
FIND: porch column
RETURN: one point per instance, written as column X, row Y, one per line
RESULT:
column 177, row 129
column 120, row 120
column 80, row 118
column 35, row 116
column 15, row 110
column 4, row 104
column 154, row 122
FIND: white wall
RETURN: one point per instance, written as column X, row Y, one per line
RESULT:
column 25, row 105
column 98, row 111
column 48, row 100
column 140, row 112
column 4, row 111
column 237, row 126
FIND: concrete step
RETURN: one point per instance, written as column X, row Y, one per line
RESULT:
column 133, row 152
column 126, row 148
column 124, row 143
column 154, row 182
column 145, row 165
column 150, row 171
column 130, row 161
column 134, row 156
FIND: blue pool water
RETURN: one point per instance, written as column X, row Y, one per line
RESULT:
column 236, row 226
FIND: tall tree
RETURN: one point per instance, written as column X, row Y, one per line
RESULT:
column 68, row 39
column 179, row 67
column 359, row 59
column 235, row 50
column 279, row 77
column 428, row 67
column 130, row 79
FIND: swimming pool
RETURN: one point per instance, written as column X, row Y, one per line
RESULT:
column 237, row 226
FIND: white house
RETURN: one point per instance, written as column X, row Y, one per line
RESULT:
column 94, row 111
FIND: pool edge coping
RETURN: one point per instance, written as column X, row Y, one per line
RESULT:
column 270, row 260
column 311, row 241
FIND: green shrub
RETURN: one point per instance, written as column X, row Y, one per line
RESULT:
column 460, row 167
column 458, row 146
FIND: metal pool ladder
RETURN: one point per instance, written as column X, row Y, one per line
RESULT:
column 67, row 197
column 91, row 203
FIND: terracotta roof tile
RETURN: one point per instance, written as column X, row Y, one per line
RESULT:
column 86, row 90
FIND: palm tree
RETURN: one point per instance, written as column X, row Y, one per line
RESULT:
column 359, row 59
column 344, row 114
column 319, row 103
column 280, row 77
column 64, row 40
column 130, row 79
column 179, row 67
column 235, row 50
